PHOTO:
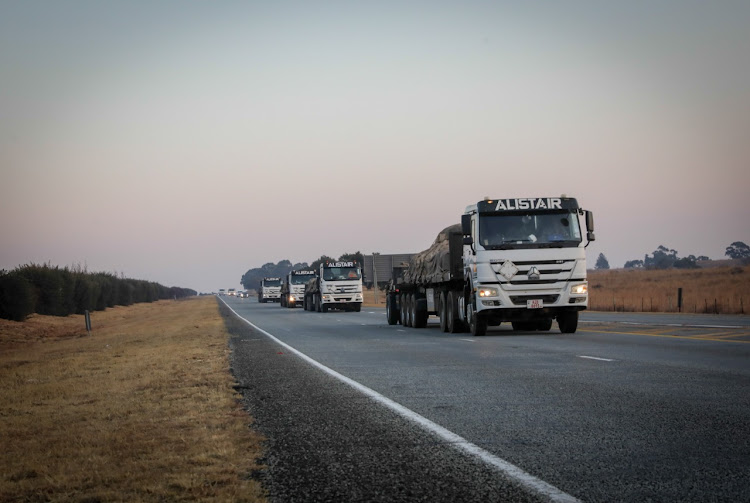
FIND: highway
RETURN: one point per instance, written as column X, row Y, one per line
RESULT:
column 632, row 407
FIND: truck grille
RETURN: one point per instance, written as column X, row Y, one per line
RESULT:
column 550, row 272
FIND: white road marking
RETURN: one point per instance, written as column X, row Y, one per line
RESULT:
column 468, row 340
column 638, row 323
column 595, row 358
column 531, row 483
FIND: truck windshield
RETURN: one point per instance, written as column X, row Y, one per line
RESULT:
column 529, row 230
column 341, row 273
column 272, row 282
column 301, row 279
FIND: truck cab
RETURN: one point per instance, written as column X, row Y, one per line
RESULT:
column 293, row 287
column 269, row 290
column 524, row 262
column 338, row 286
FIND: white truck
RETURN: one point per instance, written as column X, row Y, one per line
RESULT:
column 338, row 286
column 517, row 260
column 269, row 290
column 293, row 287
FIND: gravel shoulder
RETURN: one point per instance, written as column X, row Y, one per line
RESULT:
column 327, row 442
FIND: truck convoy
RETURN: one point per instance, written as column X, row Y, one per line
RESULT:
column 338, row 286
column 269, row 290
column 517, row 260
column 293, row 287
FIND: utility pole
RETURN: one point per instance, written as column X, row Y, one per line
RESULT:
column 375, row 276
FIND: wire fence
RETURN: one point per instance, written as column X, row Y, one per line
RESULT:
column 670, row 304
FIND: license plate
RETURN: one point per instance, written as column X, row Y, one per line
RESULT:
column 534, row 304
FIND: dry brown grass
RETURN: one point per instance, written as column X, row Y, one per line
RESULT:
column 715, row 289
column 143, row 410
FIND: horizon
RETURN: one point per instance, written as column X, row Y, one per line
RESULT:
column 187, row 143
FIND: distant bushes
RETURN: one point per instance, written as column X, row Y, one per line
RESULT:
column 56, row 291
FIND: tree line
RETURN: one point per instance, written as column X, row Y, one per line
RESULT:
column 667, row 258
column 251, row 279
column 55, row 291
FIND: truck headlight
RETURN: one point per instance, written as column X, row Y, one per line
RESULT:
column 579, row 289
column 487, row 292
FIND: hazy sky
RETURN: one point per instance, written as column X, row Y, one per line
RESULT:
column 187, row 142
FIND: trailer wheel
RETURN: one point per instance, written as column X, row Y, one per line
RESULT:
column 409, row 311
column 420, row 315
column 403, row 310
column 391, row 311
column 568, row 322
column 443, row 312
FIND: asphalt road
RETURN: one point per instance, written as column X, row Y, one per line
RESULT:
column 633, row 407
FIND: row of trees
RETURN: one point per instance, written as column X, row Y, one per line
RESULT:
column 667, row 258
column 252, row 277
column 44, row 289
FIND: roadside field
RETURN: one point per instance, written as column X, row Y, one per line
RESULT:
column 143, row 409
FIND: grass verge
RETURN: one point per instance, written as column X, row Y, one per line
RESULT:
column 143, row 410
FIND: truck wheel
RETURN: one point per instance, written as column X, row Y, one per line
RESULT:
column 420, row 315
column 443, row 312
column 568, row 322
column 391, row 311
column 402, row 311
column 477, row 322
column 357, row 308
column 317, row 303
column 452, row 323
column 544, row 325
column 409, row 312
column 323, row 307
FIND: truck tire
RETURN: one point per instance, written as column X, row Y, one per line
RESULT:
column 443, row 312
column 317, row 303
column 568, row 322
column 402, row 311
column 477, row 322
column 391, row 311
column 544, row 325
column 451, row 313
column 357, row 308
column 409, row 312
column 420, row 315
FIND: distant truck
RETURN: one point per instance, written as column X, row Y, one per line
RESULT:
column 516, row 260
column 269, row 290
column 293, row 287
column 338, row 286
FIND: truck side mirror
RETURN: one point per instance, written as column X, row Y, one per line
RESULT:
column 590, row 226
column 466, row 231
column 466, row 225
